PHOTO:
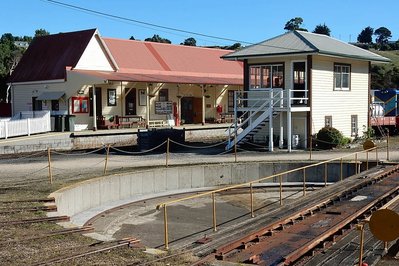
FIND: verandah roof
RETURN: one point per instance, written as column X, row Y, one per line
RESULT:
column 162, row 77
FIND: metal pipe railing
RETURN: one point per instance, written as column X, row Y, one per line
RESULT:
column 250, row 184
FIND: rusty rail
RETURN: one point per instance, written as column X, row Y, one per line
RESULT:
column 62, row 218
column 251, row 245
column 75, row 230
column 130, row 242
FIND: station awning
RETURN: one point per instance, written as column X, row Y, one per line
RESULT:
column 50, row 95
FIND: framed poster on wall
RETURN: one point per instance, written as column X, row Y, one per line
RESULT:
column 142, row 97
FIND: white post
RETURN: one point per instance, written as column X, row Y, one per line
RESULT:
column 28, row 125
column 94, row 109
column 289, row 121
column 271, row 121
column 203, row 105
column 281, row 142
column 147, row 106
column 5, row 129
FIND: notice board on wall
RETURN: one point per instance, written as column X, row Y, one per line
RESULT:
column 163, row 108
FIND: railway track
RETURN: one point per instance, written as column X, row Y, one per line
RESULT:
column 93, row 249
column 312, row 228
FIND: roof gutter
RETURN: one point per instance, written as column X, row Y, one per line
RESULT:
column 382, row 60
column 241, row 58
column 36, row 82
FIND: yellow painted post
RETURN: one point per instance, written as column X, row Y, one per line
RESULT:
column 356, row 163
column 341, row 170
column 235, row 147
column 252, row 200
column 167, row 153
column 367, row 160
column 165, row 224
column 106, row 160
column 388, row 145
column 325, row 174
column 304, row 181
column 50, row 173
column 281, row 190
column 360, row 227
column 214, row 212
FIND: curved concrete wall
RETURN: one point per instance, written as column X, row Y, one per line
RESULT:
column 114, row 190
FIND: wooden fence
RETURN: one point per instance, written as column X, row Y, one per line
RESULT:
column 25, row 123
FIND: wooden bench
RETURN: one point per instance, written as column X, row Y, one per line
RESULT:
column 130, row 121
column 157, row 123
column 103, row 123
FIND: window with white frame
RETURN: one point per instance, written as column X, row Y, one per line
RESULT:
column 354, row 127
column 266, row 76
column 342, row 77
column 328, row 121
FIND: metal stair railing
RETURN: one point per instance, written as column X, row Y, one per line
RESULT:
column 261, row 109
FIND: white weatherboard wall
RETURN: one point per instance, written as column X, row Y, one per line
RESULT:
column 94, row 57
column 112, row 191
column 339, row 104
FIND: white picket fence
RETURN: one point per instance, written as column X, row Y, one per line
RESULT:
column 25, row 123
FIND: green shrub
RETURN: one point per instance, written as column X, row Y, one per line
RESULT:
column 328, row 138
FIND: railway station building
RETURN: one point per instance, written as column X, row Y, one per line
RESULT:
column 106, row 82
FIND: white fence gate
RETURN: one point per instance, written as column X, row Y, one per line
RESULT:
column 25, row 123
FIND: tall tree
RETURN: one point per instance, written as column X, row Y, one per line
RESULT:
column 366, row 35
column 294, row 24
column 189, row 42
column 322, row 29
column 383, row 35
column 157, row 38
column 41, row 32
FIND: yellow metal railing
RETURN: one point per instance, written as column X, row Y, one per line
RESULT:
column 250, row 185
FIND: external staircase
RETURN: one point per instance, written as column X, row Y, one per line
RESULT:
column 253, row 111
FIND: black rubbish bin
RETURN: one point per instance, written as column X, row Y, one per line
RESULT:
column 70, row 123
column 59, row 123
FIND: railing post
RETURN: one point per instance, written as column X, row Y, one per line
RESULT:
column 304, row 181
column 376, row 155
column 360, row 227
column 165, row 226
column 325, row 174
column 235, row 146
column 106, row 160
column 356, row 164
column 50, row 174
column 28, row 126
column 281, row 190
column 341, row 169
column 214, row 211
column 6, row 130
column 387, row 145
column 252, row 200
column 167, row 153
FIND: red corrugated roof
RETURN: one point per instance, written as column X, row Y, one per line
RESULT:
column 159, row 62
column 47, row 56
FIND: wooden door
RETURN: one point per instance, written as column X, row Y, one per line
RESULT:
column 197, row 110
column 130, row 101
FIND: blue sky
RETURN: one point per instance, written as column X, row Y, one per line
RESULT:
column 248, row 21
